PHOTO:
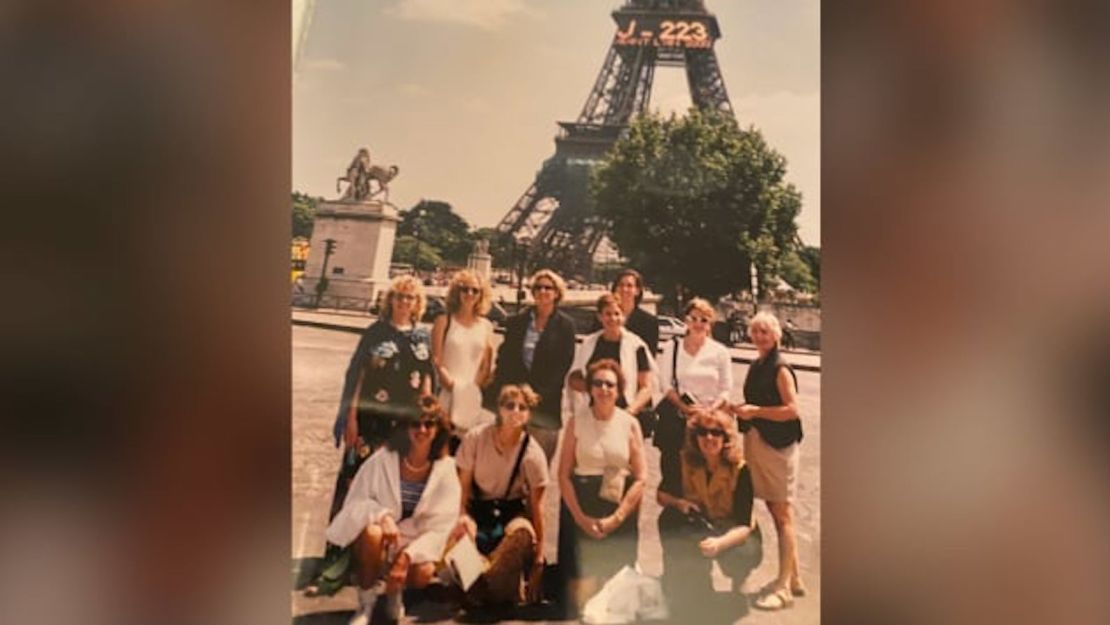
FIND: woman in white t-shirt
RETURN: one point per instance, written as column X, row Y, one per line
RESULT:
column 462, row 350
column 695, row 373
column 601, row 479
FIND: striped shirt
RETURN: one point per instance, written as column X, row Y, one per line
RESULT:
column 410, row 496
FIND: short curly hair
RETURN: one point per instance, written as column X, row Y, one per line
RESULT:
column 607, row 364
column 405, row 284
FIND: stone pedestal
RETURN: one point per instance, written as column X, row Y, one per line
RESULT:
column 480, row 264
column 358, row 268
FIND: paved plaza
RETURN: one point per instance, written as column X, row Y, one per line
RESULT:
column 320, row 357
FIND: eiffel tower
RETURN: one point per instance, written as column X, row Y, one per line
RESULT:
column 554, row 216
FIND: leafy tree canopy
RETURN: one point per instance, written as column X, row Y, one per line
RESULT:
column 437, row 225
column 304, row 212
column 694, row 200
column 407, row 249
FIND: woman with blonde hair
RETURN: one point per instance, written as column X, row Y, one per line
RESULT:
column 695, row 373
column 389, row 371
column 462, row 349
column 772, row 430
column 707, row 516
column 537, row 350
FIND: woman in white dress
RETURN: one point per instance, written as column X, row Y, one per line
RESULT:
column 462, row 350
column 695, row 374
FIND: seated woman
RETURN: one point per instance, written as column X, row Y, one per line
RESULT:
column 399, row 512
column 503, row 473
column 601, row 477
column 706, row 496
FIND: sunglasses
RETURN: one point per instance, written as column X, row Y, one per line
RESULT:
column 404, row 297
column 543, row 287
column 699, row 319
column 423, row 424
column 715, row 432
column 469, row 290
column 603, row 384
column 512, row 405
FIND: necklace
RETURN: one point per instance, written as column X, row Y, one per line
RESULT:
column 415, row 469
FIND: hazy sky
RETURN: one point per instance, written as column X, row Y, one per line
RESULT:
column 463, row 95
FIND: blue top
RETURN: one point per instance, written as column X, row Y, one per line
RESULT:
column 531, row 337
column 410, row 496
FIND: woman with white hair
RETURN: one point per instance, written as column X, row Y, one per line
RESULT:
column 772, row 430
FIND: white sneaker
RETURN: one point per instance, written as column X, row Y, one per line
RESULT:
column 367, row 597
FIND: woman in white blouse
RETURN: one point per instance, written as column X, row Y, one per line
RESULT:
column 695, row 374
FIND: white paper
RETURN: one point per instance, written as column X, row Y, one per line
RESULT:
column 466, row 563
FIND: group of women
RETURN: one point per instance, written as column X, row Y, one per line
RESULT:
column 443, row 440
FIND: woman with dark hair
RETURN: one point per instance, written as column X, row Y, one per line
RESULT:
column 537, row 351
column 399, row 511
column 601, row 478
column 772, row 429
column 462, row 348
column 503, row 473
column 628, row 286
column 707, row 516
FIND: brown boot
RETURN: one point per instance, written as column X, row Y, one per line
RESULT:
column 507, row 564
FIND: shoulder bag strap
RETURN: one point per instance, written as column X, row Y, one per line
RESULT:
column 516, row 467
column 674, row 364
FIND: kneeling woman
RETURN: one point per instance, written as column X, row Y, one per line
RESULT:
column 399, row 512
column 601, row 478
column 503, row 474
column 707, row 498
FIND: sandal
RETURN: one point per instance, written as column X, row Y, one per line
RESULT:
column 798, row 589
column 777, row 600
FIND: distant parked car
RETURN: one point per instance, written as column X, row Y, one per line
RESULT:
column 670, row 327
column 435, row 307
column 497, row 315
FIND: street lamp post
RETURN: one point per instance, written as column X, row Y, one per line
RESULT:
column 521, row 250
column 322, row 285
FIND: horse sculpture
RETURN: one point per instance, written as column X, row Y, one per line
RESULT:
column 359, row 174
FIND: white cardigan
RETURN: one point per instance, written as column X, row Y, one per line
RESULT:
column 630, row 343
column 376, row 490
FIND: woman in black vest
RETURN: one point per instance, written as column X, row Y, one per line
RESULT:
column 769, row 418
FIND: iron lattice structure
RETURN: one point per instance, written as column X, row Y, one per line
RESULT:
column 553, row 216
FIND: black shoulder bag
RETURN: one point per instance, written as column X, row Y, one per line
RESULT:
column 671, row 428
column 492, row 515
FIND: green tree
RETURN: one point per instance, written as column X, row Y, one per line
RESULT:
column 304, row 213
column 437, row 225
column 811, row 256
column 795, row 270
column 407, row 249
column 695, row 200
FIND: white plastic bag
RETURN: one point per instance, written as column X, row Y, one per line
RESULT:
column 627, row 595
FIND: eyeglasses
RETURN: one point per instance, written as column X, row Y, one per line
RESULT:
column 512, row 405
column 603, row 384
column 715, row 432
column 423, row 424
column 469, row 290
column 543, row 287
column 404, row 297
